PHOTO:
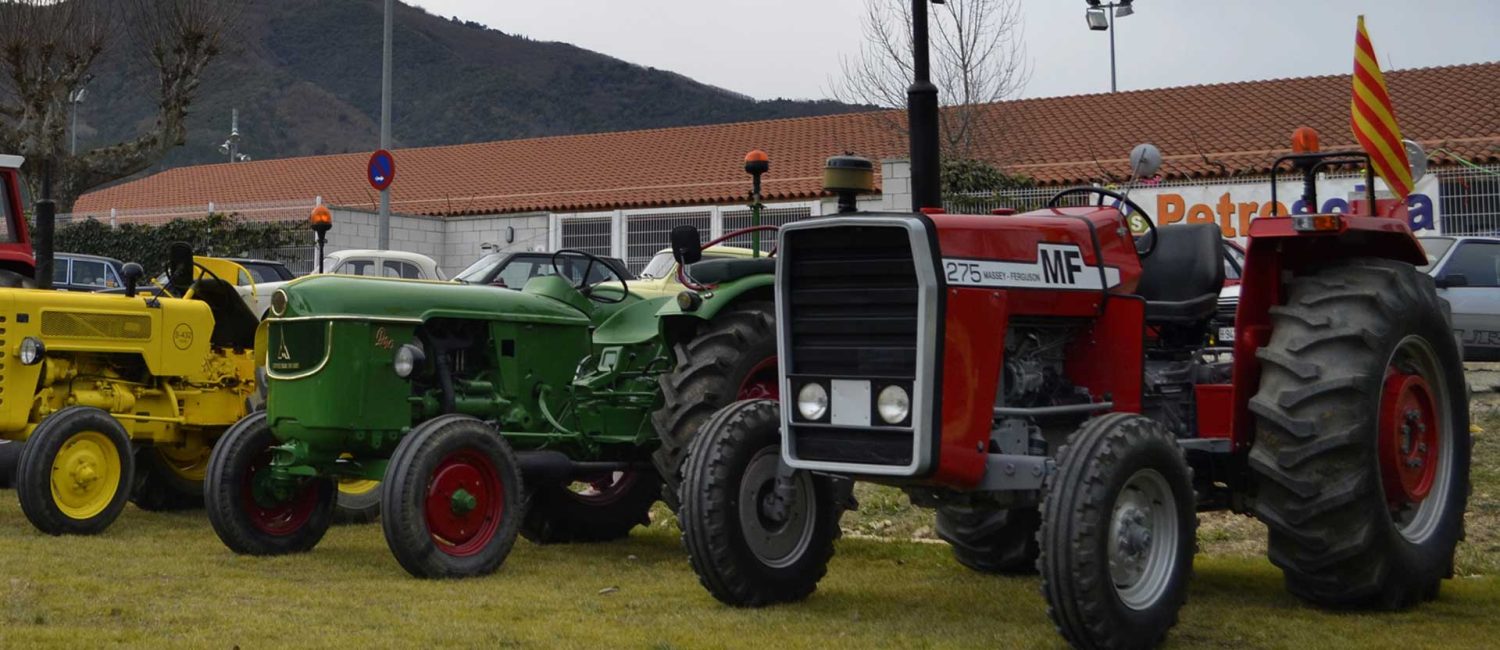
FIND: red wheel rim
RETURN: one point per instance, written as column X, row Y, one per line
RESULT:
column 465, row 502
column 1409, row 441
column 276, row 518
column 761, row 382
column 604, row 489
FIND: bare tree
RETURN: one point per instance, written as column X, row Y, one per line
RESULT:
column 978, row 57
column 46, row 50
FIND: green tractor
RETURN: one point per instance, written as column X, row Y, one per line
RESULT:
column 453, row 395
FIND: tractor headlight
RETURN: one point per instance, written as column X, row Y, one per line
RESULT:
column 408, row 357
column 31, row 352
column 812, row 401
column 893, row 404
column 278, row 303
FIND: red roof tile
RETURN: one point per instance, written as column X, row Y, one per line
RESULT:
column 1213, row 130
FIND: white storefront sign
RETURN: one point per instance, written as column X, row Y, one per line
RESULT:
column 1233, row 205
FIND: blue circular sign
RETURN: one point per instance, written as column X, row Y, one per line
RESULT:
column 381, row 170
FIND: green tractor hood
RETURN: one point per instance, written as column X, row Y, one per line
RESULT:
column 340, row 297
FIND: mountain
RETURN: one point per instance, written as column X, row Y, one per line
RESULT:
column 305, row 76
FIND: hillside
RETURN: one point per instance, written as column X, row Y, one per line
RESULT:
column 305, row 76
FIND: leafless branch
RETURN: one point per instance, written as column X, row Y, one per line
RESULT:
column 978, row 57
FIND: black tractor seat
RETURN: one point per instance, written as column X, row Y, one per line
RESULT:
column 727, row 270
column 234, row 323
column 1182, row 278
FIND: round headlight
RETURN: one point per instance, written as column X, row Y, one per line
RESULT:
column 408, row 357
column 31, row 351
column 812, row 401
column 893, row 404
column 278, row 303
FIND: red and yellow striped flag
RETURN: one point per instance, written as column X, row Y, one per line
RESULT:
column 1374, row 120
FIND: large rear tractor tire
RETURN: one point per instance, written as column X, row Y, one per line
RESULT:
column 750, row 545
column 600, row 510
column 75, row 472
column 10, row 457
column 731, row 358
column 171, row 478
column 991, row 540
column 453, row 499
column 1118, row 534
column 243, row 505
column 1361, row 453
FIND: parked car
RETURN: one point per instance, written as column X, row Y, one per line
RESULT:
column 1467, row 273
column 659, row 277
column 373, row 263
column 514, row 269
column 81, row 272
column 265, row 270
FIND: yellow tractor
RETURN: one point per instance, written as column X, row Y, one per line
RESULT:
column 122, row 396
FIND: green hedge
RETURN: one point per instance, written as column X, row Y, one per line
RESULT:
column 217, row 235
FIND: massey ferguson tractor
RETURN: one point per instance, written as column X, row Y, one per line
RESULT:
column 1043, row 381
column 95, row 384
column 452, row 395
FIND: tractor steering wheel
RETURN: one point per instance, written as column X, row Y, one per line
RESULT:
column 583, row 280
column 187, row 295
column 1145, row 244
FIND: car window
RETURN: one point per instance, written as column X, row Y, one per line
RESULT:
column 517, row 272
column 111, row 278
column 1434, row 247
column 265, row 272
column 399, row 269
column 89, row 273
column 7, row 233
column 481, row 268
column 659, row 266
column 60, row 271
column 1478, row 262
column 356, row 267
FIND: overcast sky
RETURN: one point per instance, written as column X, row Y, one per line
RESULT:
column 790, row 48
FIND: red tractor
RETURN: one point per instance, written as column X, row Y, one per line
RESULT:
column 1043, row 381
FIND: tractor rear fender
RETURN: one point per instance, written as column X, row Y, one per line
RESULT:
column 677, row 325
column 1275, row 250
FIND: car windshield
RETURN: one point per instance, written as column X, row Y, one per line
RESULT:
column 658, row 267
column 481, row 269
column 264, row 272
column 1435, row 247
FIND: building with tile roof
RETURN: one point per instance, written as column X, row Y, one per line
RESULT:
column 1208, row 132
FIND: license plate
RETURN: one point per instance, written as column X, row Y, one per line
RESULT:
column 1226, row 334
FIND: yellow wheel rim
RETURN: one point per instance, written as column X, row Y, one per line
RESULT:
column 188, row 460
column 85, row 474
column 357, row 486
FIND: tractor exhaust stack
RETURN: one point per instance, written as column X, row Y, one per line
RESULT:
column 922, row 117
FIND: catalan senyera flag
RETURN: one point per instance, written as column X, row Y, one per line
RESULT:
column 1374, row 121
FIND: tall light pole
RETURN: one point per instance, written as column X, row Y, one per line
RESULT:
column 1101, row 18
column 231, row 146
column 384, row 235
column 75, row 97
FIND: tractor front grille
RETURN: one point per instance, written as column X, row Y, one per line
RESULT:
column 852, row 313
column 90, row 325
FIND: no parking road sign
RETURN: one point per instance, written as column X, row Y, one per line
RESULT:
column 382, row 169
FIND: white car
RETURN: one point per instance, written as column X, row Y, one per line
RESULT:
column 371, row 263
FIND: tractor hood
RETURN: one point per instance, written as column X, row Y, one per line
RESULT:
column 353, row 297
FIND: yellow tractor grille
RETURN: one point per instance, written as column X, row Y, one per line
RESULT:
column 95, row 326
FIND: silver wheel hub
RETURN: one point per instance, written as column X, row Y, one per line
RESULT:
column 1142, row 542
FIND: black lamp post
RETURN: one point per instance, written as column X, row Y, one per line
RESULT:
column 756, row 164
column 322, row 222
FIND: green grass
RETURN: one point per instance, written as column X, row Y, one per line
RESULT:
column 165, row 580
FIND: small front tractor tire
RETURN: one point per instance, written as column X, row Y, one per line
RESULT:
column 991, row 540
column 731, row 358
column 453, row 499
column 1119, row 526
column 1361, row 452
column 358, row 502
column 606, row 511
column 75, row 472
column 750, row 546
column 241, row 506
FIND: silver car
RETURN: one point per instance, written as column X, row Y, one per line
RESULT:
column 1467, row 272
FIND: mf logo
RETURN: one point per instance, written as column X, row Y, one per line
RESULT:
column 1060, row 264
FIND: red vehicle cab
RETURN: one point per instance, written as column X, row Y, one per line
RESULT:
column 16, row 260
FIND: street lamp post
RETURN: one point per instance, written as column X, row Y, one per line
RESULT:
column 75, row 97
column 1101, row 18
column 383, row 232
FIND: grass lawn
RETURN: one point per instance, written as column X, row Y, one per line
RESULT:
column 165, row 580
